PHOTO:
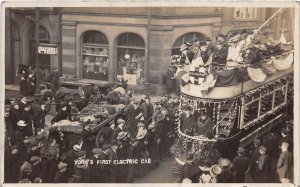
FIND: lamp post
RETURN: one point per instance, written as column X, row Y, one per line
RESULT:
column 148, row 45
column 37, row 43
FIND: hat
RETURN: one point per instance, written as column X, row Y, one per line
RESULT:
column 114, row 142
column 241, row 150
column 76, row 147
column 140, row 125
column 106, row 146
column 34, row 159
column 285, row 131
column 96, row 151
column 120, row 120
column 208, row 39
column 186, row 180
column 257, row 142
column 81, row 153
column 216, row 170
column 151, row 125
column 203, row 43
column 225, row 163
column 122, row 135
column 21, row 123
column 135, row 102
column 26, row 167
column 220, row 36
column 62, row 165
column 183, row 47
column 141, row 134
column 263, row 148
column 37, row 180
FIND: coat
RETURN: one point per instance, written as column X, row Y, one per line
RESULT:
column 262, row 169
column 220, row 55
column 285, row 165
column 14, row 116
column 203, row 127
column 131, row 114
column 38, row 116
column 153, row 146
column 187, row 124
column 241, row 164
column 23, row 86
column 170, row 83
column 147, row 111
column 27, row 117
column 60, row 177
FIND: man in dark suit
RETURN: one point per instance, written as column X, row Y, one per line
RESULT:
column 54, row 81
column 134, row 114
column 241, row 164
column 187, row 121
column 61, row 174
column 170, row 80
column 27, row 117
column 61, row 114
column 254, row 155
column 38, row 114
column 147, row 108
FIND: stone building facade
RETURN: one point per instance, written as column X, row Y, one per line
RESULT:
column 93, row 43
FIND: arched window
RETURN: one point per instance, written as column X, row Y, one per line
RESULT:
column 130, row 57
column 185, row 38
column 94, row 56
column 44, row 59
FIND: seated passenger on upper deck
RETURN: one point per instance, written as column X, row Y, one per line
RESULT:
column 221, row 51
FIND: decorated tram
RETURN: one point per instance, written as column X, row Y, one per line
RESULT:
column 242, row 112
column 237, row 101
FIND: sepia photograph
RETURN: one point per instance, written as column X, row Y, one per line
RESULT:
column 149, row 94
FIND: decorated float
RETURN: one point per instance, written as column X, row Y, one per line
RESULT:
column 243, row 100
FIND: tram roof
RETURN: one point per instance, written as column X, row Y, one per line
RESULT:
column 235, row 90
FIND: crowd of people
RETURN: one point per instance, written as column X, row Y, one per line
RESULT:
column 127, row 147
column 267, row 160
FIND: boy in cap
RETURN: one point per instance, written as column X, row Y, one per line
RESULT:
column 241, row 165
column 61, row 174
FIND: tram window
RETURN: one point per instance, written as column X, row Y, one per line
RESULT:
column 251, row 111
column 266, row 104
column 279, row 97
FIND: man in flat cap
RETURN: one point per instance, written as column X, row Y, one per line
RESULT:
column 241, row 164
column 95, row 170
column 61, row 175
column 254, row 155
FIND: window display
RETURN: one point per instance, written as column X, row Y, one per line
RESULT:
column 131, row 58
column 95, row 56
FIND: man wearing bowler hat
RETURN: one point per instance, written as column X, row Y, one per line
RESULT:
column 241, row 164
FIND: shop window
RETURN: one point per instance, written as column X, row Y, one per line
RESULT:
column 130, row 58
column 245, row 13
column 185, row 38
column 94, row 56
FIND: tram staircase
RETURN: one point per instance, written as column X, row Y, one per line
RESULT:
column 227, row 118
